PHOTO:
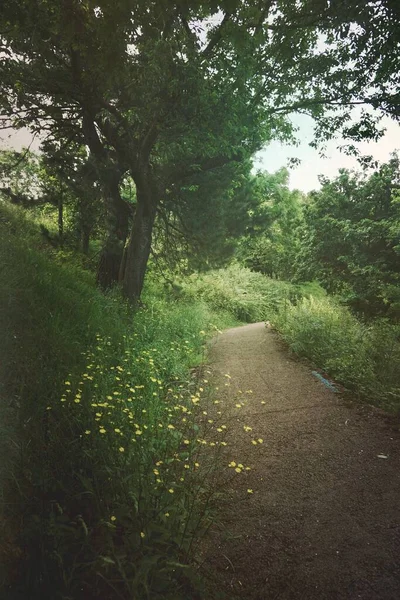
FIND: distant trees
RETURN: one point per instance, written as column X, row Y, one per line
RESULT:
column 352, row 238
column 272, row 240
column 61, row 180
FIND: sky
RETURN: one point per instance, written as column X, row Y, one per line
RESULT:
column 276, row 154
column 305, row 177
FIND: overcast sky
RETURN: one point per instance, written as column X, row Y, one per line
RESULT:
column 276, row 155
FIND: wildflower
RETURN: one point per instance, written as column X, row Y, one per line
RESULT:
column 210, row 421
column 224, row 444
column 196, row 464
column 117, row 430
column 247, row 428
column 187, row 466
column 186, row 442
column 138, row 432
column 121, row 449
column 228, row 376
column 113, row 518
column 67, row 382
column 171, row 490
column 232, row 464
column 238, row 405
column 156, row 471
column 262, row 402
column 260, row 440
column 166, row 514
column 102, row 430
column 142, row 534
column 249, row 491
column 219, row 429
column 170, row 426
column 254, row 442
column 87, row 432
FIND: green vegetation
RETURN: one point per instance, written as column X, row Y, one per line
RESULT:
column 363, row 357
column 249, row 296
column 149, row 115
column 166, row 93
column 110, row 469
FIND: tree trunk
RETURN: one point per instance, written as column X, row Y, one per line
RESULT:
column 138, row 251
column 60, row 206
column 118, row 213
column 85, row 239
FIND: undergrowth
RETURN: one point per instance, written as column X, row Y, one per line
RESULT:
column 365, row 358
column 109, row 455
column 247, row 295
column 109, row 481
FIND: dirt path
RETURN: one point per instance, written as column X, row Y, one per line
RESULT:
column 324, row 519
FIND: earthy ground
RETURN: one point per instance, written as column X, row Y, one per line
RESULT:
column 324, row 519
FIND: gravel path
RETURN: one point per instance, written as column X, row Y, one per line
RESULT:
column 324, row 519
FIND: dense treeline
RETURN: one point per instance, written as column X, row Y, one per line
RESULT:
column 346, row 236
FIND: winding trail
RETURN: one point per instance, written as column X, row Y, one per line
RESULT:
column 324, row 519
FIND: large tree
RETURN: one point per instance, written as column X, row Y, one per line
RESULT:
column 165, row 90
column 352, row 238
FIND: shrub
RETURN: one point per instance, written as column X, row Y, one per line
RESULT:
column 249, row 296
column 364, row 358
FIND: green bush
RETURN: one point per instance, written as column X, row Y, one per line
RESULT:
column 366, row 359
column 248, row 296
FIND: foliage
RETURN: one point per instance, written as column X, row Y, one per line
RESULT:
column 249, row 296
column 272, row 239
column 163, row 91
column 92, row 515
column 364, row 358
column 58, row 182
column 352, row 242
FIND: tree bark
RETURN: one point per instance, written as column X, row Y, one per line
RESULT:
column 60, row 207
column 118, row 213
column 138, row 250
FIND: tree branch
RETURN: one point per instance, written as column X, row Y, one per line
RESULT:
column 217, row 36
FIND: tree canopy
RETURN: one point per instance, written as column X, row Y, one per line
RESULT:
column 168, row 91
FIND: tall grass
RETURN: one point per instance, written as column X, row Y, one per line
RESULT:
column 107, row 485
column 249, row 296
column 364, row 358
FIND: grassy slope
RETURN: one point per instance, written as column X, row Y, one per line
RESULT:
column 94, row 397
